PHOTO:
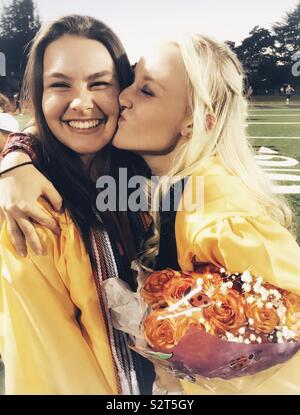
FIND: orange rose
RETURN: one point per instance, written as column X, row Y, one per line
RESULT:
column 265, row 319
column 152, row 292
column 175, row 289
column 209, row 280
column 227, row 312
column 184, row 323
column 292, row 303
column 159, row 330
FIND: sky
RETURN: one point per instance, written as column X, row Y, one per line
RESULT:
column 138, row 22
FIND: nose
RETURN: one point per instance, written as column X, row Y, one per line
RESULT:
column 125, row 99
column 83, row 101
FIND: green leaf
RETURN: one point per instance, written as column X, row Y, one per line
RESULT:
column 162, row 356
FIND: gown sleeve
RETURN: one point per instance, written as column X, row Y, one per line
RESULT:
column 54, row 339
column 257, row 244
column 27, row 143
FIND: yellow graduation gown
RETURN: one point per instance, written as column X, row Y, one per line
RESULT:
column 53, row 338
column 234, row 231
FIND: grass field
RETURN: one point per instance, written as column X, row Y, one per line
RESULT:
column 273, row 127
column 274, row 131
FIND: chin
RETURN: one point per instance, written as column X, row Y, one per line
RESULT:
column 86, row 151
column 119, row 144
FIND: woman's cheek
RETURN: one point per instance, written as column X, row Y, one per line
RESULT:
column 110, row 103
column 52, row 105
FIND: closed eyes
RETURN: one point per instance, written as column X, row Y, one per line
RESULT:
column 59, row 85
column 147, row 91
column 101, row 83
column 94, row 84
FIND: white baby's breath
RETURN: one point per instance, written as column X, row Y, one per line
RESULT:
column 210, row 292
column 242, row 330
column 259, row 280
column 256, row 288
column 250, row 299
column 246, row 277
column 199, row 281
column 229, row 336
column 246, row 287
column 229, row 284
column 224, row 289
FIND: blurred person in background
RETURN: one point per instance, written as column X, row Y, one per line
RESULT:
column 17, row 97
column 4, row 103
column 288, row 92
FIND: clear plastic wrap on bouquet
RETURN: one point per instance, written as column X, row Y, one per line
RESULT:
column 225, row 332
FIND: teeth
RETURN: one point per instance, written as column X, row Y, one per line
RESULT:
column 84, row 125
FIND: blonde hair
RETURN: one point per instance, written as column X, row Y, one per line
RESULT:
column 215, row 80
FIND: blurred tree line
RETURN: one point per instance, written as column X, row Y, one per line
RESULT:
column 270, row 57
column 19, row 23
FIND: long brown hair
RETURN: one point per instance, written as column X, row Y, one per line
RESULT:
column 59, row 163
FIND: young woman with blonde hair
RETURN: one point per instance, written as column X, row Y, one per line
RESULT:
column 185, row 115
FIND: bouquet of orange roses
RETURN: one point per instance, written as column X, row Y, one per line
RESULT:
column 212, row 327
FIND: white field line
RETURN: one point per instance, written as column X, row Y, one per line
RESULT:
column 287, row 190
column 291, row 108
column 273, row 109
column 279, row 112
column 254, row 107
column 284, row 177
column 273, row 123
column 281, row 174
column 276, row 138
column 275, row 115
column 282, row 170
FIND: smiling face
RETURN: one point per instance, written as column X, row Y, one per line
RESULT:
column 80, row 97
column 154, row 115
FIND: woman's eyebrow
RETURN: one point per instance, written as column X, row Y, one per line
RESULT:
column 149, row 78
column 143, row 74
column 89, row 78
column 56, row 75
column 100, row 74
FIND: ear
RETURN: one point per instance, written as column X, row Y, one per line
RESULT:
column 210, row 121
column 187, row 128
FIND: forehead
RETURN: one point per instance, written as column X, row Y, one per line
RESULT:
column 74, row 53
column 163, row 62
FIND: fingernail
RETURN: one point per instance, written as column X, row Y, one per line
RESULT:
column 22, row 254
